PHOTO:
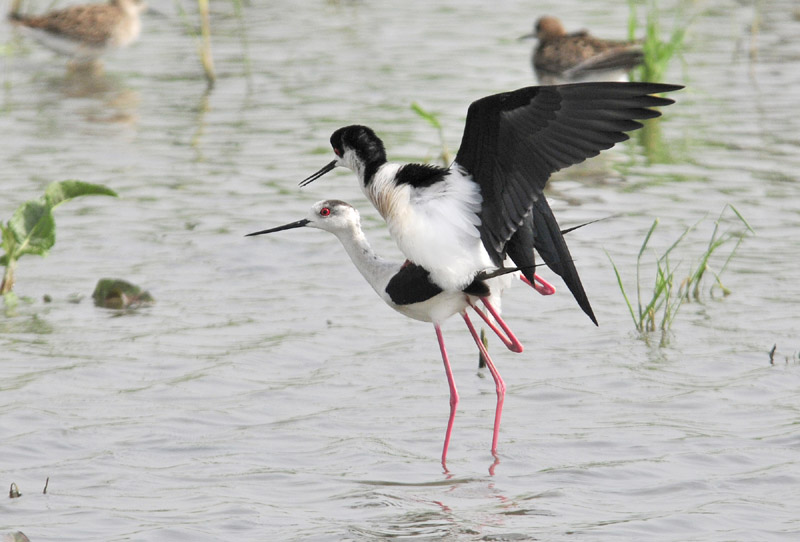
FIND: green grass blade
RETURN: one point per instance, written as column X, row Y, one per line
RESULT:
column 738, row 214
column 624, row 295
column 427, row 115
column 638, row 267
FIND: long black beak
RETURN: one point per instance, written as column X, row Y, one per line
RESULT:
column 298, row 224
column 318, row 174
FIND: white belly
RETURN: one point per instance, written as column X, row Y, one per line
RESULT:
column 436, row 309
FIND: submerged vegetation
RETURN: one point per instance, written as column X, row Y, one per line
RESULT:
column 669, row 289
column 119, row 294
column 32, row 227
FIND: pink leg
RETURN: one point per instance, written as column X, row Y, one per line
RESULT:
column 506, row 335
column 539, row 284
column 500, row 386
column 453, row 394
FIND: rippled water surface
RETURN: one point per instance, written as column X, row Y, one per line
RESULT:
column 269, row 395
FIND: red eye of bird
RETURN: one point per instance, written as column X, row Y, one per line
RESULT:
column 338, row 151
column 325, row 211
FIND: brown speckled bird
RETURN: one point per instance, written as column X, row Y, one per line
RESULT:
column 85, row 32
column 570, row 58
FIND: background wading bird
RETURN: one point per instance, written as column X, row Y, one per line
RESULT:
column 578, row 57
column 85, row 32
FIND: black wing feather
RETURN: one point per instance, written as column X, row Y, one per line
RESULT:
column 514, row 141
column 552, row 247
column 540, row 230
column 412, row 284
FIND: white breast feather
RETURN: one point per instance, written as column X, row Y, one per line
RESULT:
column 435, row 227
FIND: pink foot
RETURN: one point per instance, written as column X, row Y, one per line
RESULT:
column 539, row 284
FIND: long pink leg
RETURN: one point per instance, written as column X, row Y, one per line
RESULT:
column 453, row 394
column 539, row 284
column 506, row 335
column 500, row 386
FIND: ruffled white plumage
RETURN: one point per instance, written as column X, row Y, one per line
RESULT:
column 436, row 226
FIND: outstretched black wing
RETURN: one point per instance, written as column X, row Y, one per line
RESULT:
column 514, row 141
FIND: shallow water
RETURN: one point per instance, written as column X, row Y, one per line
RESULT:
column 268, row 394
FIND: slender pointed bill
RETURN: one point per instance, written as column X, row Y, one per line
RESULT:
column 298, row 224
column 325, row 169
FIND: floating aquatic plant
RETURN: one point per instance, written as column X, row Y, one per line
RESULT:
column 32, row 227
column 670, row 292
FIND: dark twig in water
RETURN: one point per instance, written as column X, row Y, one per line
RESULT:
column 46, row 483
column 772, row 354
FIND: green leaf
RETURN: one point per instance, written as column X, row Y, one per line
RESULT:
column 34, row 229
column 7, row 242
column 61, row 191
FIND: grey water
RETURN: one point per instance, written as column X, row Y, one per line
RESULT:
column 269, row 395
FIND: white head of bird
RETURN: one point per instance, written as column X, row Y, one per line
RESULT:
column 404, row 287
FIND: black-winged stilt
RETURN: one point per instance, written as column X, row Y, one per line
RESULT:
column 489, row 204
column 408, row 289
column 85, row 32
column 563, row 58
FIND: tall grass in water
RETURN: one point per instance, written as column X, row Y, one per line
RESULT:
column 657, row 53
column 204, row 38
column 669, row 290
column 204, row 45
column 433, row 120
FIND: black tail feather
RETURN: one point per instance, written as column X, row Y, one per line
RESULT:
column 550, row 244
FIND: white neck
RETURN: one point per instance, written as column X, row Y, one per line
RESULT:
column 383, row 193
column 372, row 267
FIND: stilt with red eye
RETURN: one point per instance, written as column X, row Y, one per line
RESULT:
column 408, row 289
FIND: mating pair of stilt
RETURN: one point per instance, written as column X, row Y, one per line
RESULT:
column 465, row 229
